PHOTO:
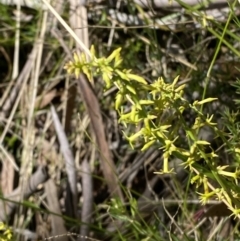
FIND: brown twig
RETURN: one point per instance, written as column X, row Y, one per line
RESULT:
column 53, row 205
column 94, row 112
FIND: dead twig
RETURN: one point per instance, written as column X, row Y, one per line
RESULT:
column 87, row 189
column 69, row 161
column 92, row 104
column 53, row 205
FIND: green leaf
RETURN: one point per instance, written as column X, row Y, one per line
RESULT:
column 92, row 51
column 122, row 75
column 131, row 89
column 146, row 102
column 175, row 81
column 107, row 80
column 135, row 136
column 137, row 78
column 118, row 101
column 86, row 71
column 148, row 145
column 113, row 55
column 118, row 61
column 206, row 101
column 77, row 72
column 199, row 142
